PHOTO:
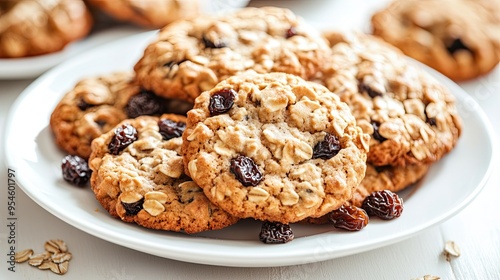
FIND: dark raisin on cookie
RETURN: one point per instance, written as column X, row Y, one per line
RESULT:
column 171, row 129
column 213, row 45
column 246, row 171
column 290, row 32
column 144, row 103
column 349, row 217
column 384, row 204
column 431, row 121
column 456, row 45
column 328, row 148
column 82, row 105
column 75, row 170
column 221, row 101
column 364, row 88
column 275, row 233
column 376, row 135
column 125, row 135
column 134, row 207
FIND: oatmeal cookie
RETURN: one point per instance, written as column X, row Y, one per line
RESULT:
column 411, row 117
column 35, row 27
column 459, row 38
column 96, row 104
column 191, row 56
column 274, row 147
column 150, row 13
column 137, row 176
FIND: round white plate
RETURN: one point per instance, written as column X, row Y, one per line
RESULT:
column 450, row 185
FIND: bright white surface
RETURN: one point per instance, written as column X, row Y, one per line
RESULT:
column 32, row 153
column 476, row 229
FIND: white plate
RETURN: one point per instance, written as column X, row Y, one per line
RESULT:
column 450, row 185
column 30, row 67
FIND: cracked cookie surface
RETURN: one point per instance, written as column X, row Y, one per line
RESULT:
column 143, row 181
column 193, row 55
column 274, row 147
column 411, row 117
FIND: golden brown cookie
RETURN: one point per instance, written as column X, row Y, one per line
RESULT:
column 149, row 13
column 190, row 56
column 459, row 38
column 411, row 117
column 97, row 104
column 274, row 147
column 36, row 27
column 138, row 176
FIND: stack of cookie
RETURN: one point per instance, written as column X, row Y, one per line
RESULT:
column 253, row 114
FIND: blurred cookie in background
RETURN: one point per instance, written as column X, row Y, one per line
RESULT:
column 459, row 38
column 149, row 13
column 36, row 27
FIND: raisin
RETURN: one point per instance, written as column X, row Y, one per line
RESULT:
column 124, row 136
column 75, row 170
column 82, row 105
column 382, row 168
column 383, row 204
column 170, row 129
column 213, row 45
column 221, row 102
column 328, row 148
column 134, row 207
column 291, row 32
column 275, row 233
column 431, row 121
column 364, row 88
column 144, row 103
column 376, row 134
column 246, row 171
column 349, row 217
column 456, row 45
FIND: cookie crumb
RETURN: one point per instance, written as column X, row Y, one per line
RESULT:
column 451, row 249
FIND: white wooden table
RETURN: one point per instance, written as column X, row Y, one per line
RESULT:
column 476, row 229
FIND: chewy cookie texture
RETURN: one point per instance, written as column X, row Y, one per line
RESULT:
column 138, row 176
column 96, row 104
column 192, row 55
column 410, row 116
column 274, row 147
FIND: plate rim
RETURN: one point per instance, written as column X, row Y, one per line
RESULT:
column 179, row 253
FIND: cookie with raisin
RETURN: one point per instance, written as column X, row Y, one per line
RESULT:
column 274, row 147
column 138, row 177
column 412, row 117
column 379, row 178
column 459, row 38
column 192, row 55
column 97, row 104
